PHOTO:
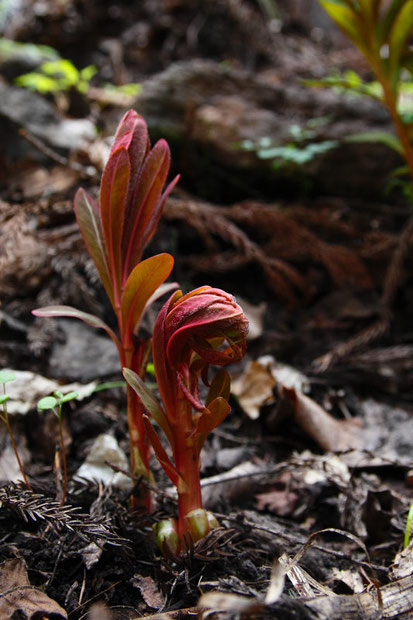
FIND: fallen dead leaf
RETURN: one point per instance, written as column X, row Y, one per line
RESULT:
column 403, row 563
column 331, row 434
column 21, row 600
column 278, row 501
column 254, row 388
column 29, row 387
column 149, row 591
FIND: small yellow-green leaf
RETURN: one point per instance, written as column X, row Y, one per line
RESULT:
column 348, row 20
column 383, row 137
column 48, row 402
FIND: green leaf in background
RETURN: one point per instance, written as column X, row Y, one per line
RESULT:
column 48, row 402
column 65, row 398
column 6, row 376
column 37, row 82
column 382, row 137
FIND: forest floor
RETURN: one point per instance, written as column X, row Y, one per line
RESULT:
column 311, row 474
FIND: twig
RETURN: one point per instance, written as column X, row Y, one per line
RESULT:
column 86, row 171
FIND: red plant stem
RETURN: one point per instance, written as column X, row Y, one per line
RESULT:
column 186, row 457
column 138, row 441
column 390, row 100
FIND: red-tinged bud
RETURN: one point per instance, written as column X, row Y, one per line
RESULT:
column 202, row 321
column 200, row 522
column 166, row 537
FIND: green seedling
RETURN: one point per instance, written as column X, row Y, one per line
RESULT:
column 381, row 31
column 57, row 76
column 408, row 530
column 55, row 404
column 5, row 377
column 301, row 147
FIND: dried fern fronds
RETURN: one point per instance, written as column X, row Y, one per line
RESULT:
column 36, row 507
column 267, row 235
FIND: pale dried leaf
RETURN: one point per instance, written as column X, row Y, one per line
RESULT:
column 225, row 601
column 254, row 388
column 149, row 591
column 277, row 580
column 91, row 554
column 350, row 577
column 331, row 434
column 403, row 562
column 29, row 387
column 104, row 450
column 21, row 600
column 255, row 315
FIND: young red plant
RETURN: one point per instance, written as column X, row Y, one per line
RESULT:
column 192, row 331
column 116, row 232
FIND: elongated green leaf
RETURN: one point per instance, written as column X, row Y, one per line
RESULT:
column 161, row 454
column 401, row 29
column 348, row 21
column 382, row 137
column 68, row 311
column 114, row 190
column 142, row 283
column 149, row 401
column 386, row 23
column 88, row 219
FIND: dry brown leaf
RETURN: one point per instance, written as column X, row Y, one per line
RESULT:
column 331, row 434
column 403, row 562
column 149, row 591
column 278, row 501
column 235, row 603
column 254, row 388
column 21, row 600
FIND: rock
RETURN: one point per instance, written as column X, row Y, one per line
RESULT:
column 206, row 110
column 83, row 355
column 20, row 108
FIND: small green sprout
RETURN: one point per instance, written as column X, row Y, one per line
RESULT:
column 5, row 377
column 408, row 529
column 55, row 403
